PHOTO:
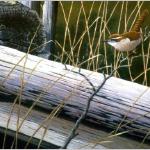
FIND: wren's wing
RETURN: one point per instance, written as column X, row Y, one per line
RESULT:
column 139, row 22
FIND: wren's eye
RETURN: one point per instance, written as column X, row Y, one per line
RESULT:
column 115, row 39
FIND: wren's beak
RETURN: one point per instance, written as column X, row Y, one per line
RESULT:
column 106, row 41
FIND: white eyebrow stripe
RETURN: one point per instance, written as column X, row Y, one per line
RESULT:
column 116, row 38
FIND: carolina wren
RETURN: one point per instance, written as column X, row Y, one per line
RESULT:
column 130, row 40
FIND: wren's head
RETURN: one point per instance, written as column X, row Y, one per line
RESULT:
column 130, row 40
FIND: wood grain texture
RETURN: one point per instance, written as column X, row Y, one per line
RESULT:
column 31, row 124
column 49, row 84
column 57, row 130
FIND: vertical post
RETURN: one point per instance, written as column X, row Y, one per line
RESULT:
column 49, row 21
column 49, row 16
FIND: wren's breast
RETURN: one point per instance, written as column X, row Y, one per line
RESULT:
column 125, row 44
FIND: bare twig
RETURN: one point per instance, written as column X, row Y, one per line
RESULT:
column 85, row 77
column 82, row 117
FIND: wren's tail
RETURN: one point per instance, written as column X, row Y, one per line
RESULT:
column 139, row 22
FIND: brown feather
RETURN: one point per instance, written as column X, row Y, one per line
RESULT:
column 131, row 35
column 139, row 22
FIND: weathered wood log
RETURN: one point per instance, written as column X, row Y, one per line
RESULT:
column 57, row 131
column 119, row 104
column 30, row 125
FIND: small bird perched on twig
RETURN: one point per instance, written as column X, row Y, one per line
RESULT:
column 130, row 40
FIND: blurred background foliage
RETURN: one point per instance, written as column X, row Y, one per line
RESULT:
column 81, row 28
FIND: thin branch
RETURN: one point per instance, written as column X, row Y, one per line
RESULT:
column 82, row 117
column 85, row 77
